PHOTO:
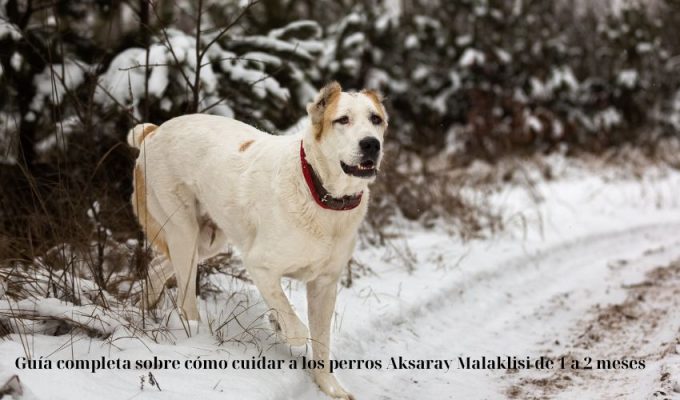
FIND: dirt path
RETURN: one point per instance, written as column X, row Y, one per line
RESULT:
column 645, row 326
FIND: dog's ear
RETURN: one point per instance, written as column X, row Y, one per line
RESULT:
column 377, row 99
column 316, row 109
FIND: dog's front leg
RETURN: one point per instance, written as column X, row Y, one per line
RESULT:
column 284, row 318
column 321, row 294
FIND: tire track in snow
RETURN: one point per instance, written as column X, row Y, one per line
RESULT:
column 500, row 309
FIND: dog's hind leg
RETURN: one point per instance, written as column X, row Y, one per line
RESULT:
column 182, row 242
column 149, row 214
column 181, row 232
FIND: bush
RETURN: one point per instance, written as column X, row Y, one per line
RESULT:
column 465, row 79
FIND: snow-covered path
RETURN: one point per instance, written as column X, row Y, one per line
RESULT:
column 585, row 273
column 521, row 307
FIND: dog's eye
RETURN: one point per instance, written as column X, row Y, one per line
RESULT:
column 344, row 120
column 375, row 120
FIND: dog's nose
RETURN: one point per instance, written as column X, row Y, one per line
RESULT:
column 370, row 147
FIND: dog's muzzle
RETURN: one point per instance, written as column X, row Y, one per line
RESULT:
column 370, row 153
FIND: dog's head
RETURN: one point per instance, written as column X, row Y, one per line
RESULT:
column 348, row 130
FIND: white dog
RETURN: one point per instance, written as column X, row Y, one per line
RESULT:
column 290, row 204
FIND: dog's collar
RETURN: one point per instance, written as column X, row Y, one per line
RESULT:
column 320, row 194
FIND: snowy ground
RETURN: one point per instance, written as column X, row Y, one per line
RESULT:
column 592, row 271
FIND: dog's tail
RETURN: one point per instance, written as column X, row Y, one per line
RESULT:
column 137, row 134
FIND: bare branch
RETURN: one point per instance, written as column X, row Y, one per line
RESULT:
column 199, row 55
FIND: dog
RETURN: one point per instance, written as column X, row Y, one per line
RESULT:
column 291, row 204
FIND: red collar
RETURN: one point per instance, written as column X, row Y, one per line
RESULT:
column 320, row 194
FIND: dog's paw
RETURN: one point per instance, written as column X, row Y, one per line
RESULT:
column 329, row 385
column 292, row 330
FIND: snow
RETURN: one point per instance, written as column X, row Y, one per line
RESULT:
column 9, row 123
column 299, row 126
column 644, row 47
column 420, row 72
column 560, row 78
column 412, row 42
column 93, row 211
column 481, row 9
column 123, row 81
column 464, row 40
column 393, row 9
column 472, row 57
column 520, row 96
column 311, row 46
column 563, row 77
column 538, row 89
column 440, row 102
column 352, row 18
column 424, row 22
column 55, row 81
column 305, row 91
column 216, row 106
column 9, row 29
column 16, row 61
column 296, row 25
column 92, row 315
column 166, row 104
column 158, row 79
column 263, row 58
column 607, row 118
column 674, row 117
column 61, row 132
column 628, row 78
column 534, row 123
column 503, row 56
column 262, row 83
column 376, row 78
column 674, row 371
column 353, row 40
column 382, row 23
column 350, row 64
column 557, row 128
column 517, row 8
column 429, row 296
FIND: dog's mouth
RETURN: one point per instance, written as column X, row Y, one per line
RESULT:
column 364, row 170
